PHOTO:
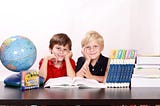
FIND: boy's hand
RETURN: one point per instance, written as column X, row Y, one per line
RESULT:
column 87, row 72
column 69, row 55
column 84, row 52
column 80, row 73
column 52, row 57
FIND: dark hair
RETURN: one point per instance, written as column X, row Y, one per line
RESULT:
column 60, row 39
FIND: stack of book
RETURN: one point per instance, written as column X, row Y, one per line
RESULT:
column 146, row 71
column 121, row 68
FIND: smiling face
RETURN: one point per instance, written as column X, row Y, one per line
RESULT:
column 93, row 43
column 60, row 51
column 93, row 49
column 60, row 45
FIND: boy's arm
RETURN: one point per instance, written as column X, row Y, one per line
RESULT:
column 98, row 78
column 88, row 75
column 84, row 71
column 43, row 68
column 81, row 72
column 70, row 70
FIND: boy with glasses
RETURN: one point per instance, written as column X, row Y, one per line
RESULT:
column 93, row 64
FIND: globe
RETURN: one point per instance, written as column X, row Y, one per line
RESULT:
column 18, row 53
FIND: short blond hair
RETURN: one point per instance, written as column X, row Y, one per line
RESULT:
column 90, row 36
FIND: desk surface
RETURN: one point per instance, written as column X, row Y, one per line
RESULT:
column 76, row 96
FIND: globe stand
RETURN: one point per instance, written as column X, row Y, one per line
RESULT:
column 15, row 80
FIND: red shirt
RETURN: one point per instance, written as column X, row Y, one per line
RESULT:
column 54, row 72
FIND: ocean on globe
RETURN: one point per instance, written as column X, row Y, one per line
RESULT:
column 18, row 53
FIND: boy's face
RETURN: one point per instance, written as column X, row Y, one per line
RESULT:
column 60, row 51
column 93, row 49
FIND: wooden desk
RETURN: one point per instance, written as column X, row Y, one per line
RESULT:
column 76, row 96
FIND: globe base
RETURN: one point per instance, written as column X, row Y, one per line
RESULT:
column 15, row 80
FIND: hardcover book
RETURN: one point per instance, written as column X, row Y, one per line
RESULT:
column 145, row 82
column 153, row 59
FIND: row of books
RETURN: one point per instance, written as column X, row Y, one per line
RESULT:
column 121, row 68
column 146, row 71
column 119, row 75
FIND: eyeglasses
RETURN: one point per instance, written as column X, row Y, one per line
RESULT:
column 92, row 47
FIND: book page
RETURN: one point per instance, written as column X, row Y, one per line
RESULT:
column 60, row 81
column 84, row 82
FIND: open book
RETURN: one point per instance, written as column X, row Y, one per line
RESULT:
column 75, row 82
